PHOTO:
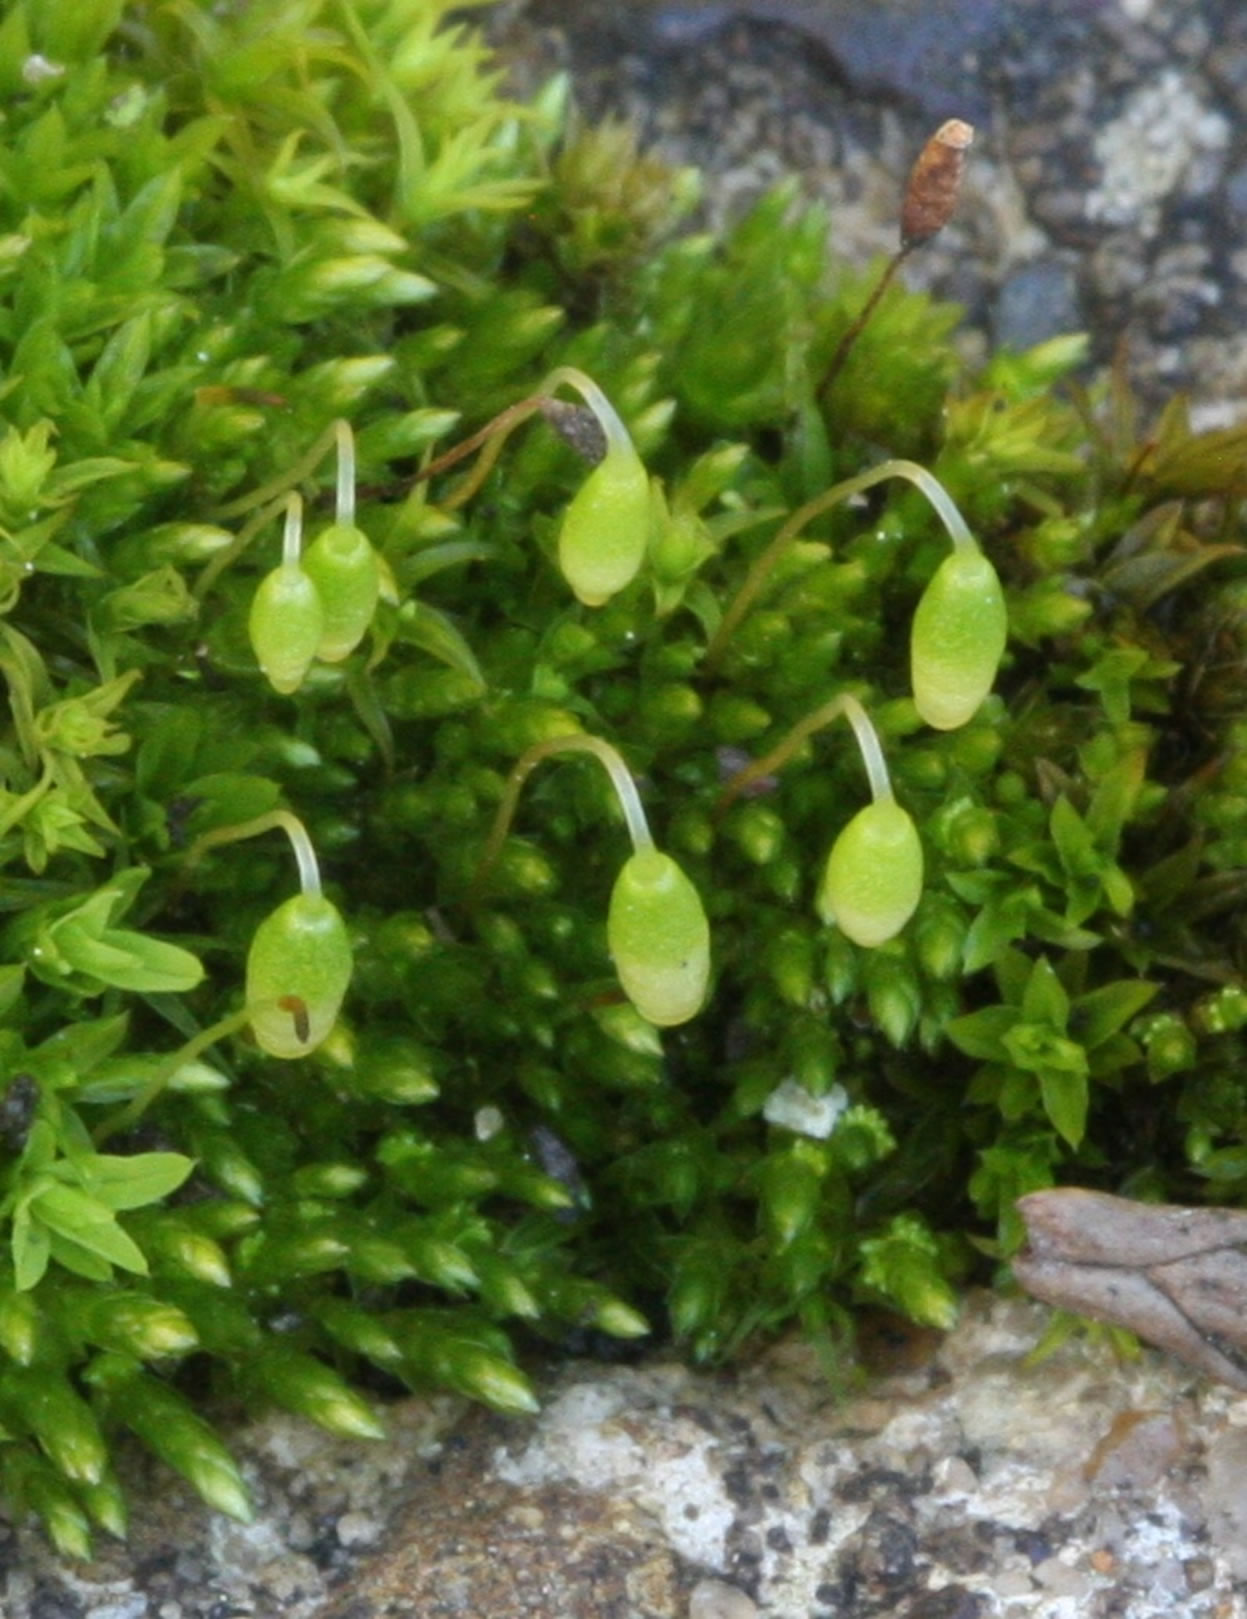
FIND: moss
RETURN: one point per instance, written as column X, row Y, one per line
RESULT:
column 225, row 231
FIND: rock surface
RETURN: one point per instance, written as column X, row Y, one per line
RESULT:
column 1108, row 185
column 1108, row 189
column 964, row 1483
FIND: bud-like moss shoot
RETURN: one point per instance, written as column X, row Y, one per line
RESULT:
column 606, row 527
column 287, row 619
column 872, row 881
column 766, row 563
column 605, row 530
column 873, row 878
column 343, row 566
column 957, row 638
column 299, row 963
column 657, row 931
column 659, row 938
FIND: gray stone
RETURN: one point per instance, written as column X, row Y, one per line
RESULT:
column 967, row 1482
column 1036, row 301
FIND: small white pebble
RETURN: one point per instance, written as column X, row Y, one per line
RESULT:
column 487, row 1123
column 715, row 1599
column 1058, row 1579
column 357, row 1529
column 133, row 1606
column 955, row 1476
column 300, row 1532
column 794, row 1108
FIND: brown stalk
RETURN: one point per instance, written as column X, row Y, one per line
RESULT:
column 930, row 199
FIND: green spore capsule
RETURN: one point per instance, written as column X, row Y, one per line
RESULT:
column 659, row 938
column 346, row 572
column 605, row 530
column 957, row 640
column 873, row 879
column 286, row 625
column 298, row 969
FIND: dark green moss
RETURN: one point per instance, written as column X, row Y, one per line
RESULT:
column 221, row 232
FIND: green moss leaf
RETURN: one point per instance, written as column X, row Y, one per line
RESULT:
column 1103, row 1012
column 982, row 1033
column 84, row 1234
column 129, row 1182
column 1066, row 1094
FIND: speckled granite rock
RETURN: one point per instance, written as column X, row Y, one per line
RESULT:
column 1108, row 186
column 969, row 1484
column 1109, row 189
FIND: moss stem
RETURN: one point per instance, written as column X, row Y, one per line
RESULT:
column 491, row 438
column 138, row 1105
column 344, row 512
column 276, row 487
column 274, row 497
column 863, row 730
column 213, row 570
column 617, row 436
column 853, row 330
column 621, row 779
column 766, row 563
column 291, row 825
column 292, row 533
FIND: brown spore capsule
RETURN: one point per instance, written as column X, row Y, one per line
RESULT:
column 934, row 183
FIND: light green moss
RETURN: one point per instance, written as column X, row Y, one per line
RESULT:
column 225, row 229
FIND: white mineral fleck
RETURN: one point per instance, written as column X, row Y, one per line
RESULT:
column 792, row 1107
column 1163, row 133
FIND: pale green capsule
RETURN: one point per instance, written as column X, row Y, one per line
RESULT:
column 605, row 530
column 286, row 624
column 347, row 574
column 957, row 640
column 298, row 969
column 659, row 939
column 873, row 879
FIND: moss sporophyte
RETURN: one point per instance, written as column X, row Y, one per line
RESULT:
column 303, row 270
